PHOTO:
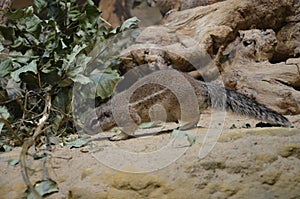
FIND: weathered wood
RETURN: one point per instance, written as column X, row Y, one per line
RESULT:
column 230, row 37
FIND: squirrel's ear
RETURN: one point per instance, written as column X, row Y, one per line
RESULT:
column 94, row 122
column 241, row 33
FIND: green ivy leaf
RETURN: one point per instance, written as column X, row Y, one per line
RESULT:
column 22, row 59
column 50, row 76
column 44, row 187
column 80, row 142
column 191, row 139
column 81, row 79
column 246, row 126
column 19, row 57
column 3, row 114
column 129, row 23
column 148, row 125
column 4, row 147
column 56, row 123
column 105, row 82
column 76, row 50
column 62, row 100
column 18, row 42
column 31, row 67
column 178, row 133
column 20, row 13
column 32, row 23
column 66, row 82
column 13, row 162
column 13, row 89
column 91, row 12
column 7, row 32
column 40, row 4
column 38, row 156
column 5, row 67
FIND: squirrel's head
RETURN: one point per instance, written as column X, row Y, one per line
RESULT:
column 99, row 120
column 152, row 3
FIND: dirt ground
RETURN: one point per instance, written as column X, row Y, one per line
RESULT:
column 240, row 163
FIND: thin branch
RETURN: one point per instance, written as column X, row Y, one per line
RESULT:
column 19, row 97
column 8, row 126
column 106, row 22
column 30, row 141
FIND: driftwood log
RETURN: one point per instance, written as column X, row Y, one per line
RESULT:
column 252, row 46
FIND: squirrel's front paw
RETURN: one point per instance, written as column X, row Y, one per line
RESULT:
column 119, row 136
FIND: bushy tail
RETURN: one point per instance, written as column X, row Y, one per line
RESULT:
column 241, row 104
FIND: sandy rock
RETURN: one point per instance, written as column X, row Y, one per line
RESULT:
column 288, row 42
column 290, row 149
column 244, row 163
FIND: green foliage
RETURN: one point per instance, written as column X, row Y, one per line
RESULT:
column 3, row 114
column 37, row 156
column 80, row 142
column 44, row 50
column 190, row 138
column 5, row 148
column 44, row 187
column 51, row 45
column 148, row 125
column 13, row 162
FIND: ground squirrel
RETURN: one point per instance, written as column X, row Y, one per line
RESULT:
column 175, row 5
column 147, row 93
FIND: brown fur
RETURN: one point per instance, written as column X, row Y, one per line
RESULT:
column 146, row 93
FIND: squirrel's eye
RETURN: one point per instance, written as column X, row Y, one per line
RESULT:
column 106, row 114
